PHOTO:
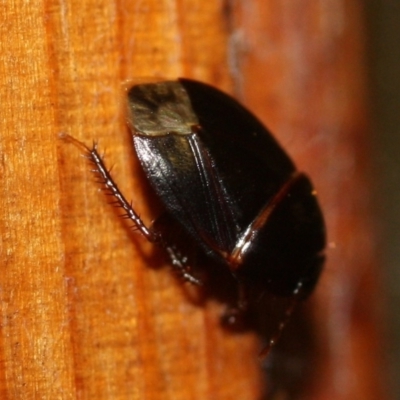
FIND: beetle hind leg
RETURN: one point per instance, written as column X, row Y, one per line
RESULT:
column 234, row 316
column 172, row 240
column 180, row 265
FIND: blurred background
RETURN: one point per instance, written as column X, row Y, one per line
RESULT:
column 384, row 51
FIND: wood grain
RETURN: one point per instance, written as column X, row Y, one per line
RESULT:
column 88, row 309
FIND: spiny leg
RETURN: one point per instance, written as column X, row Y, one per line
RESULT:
column 179, row 263
column 234, row 315
column 151, row 234
column 172, row 233
column 105, row 178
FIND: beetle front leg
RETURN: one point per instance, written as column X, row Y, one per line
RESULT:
column 96, row 159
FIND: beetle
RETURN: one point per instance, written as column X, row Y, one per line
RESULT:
column 227, row 183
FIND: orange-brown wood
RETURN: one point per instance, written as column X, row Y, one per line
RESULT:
column 87, row 309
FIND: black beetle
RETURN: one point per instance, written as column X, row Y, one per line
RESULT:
column 225, row 180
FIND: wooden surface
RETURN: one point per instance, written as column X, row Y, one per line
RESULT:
column 82, row 314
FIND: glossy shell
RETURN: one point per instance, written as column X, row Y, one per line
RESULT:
column 225, row 179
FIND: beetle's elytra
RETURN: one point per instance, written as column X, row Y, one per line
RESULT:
column 225, row 180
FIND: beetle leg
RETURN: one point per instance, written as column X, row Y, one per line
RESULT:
column 151, row 234
column 111, row 186
column 171, row 235
column 234, row 315
column 105, row 177
column 180, row 265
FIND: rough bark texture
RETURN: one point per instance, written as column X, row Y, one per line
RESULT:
column 83, row 316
